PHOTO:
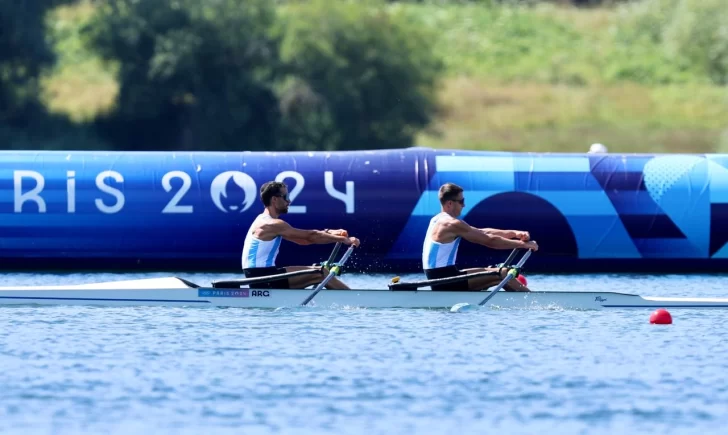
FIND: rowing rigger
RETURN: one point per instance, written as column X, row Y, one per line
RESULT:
column 178, row 292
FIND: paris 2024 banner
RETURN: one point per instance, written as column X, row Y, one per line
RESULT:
column 190, row 210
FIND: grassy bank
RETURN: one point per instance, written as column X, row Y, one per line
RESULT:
column 538, row 79
column 558, row 79
column 540, row 117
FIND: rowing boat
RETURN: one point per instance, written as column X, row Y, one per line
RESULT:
column 177, row 292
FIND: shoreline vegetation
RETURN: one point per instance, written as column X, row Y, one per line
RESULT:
column 543, row 78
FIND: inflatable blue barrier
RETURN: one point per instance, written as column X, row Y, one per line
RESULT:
column 190, row 210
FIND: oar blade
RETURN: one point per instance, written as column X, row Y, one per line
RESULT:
column 461, row 307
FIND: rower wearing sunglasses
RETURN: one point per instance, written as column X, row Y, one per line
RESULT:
column 263, row 240
column 444, row 233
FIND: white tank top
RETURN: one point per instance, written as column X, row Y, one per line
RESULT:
column 435, row 254
column 259, row 253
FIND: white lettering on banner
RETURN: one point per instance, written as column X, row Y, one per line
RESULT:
column 111, row 191
column 19, row 198
column 172, row 206
column 218, row 191
column 300, row 182
column 347, row 198
column 71, row 191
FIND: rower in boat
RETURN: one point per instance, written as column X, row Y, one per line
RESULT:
column 263, row 241
column 444, row 233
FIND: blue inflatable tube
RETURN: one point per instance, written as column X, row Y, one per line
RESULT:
column 189, row 210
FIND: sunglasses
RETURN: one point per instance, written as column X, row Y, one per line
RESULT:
column 461, row 201
column 285, row 197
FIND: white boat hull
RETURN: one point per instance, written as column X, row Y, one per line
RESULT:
column 174, row 292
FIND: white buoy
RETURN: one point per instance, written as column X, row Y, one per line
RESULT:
column 597, row 148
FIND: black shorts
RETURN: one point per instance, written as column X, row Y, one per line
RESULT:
column 255, row 272
column 447, row 272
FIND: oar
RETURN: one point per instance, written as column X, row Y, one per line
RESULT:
column 333, row 255
column 512, row 273
column 511, row 257
column 333, row 271
column 326, row 265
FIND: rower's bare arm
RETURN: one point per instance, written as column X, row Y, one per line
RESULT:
column 308, row 237
column 482, row 237
column 509, row 234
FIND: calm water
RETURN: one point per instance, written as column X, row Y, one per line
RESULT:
column 204, row 370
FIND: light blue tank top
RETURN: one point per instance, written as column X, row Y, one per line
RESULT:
column 259, row 253
column 435, row 254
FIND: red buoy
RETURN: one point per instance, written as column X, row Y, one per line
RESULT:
column 661, row 317
column 522, row 279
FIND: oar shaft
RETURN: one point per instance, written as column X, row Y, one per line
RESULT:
column 334, row 253
column 511, row 274
column 346, row 256
column 524, row 258
column 332, row 273
column 511, row 257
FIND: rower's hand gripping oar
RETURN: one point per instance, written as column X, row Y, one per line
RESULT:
column 334, row 270
column 512, row 273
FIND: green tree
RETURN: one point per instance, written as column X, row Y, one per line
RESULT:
column 24, row 53
column 358, row 76
column 193, row 74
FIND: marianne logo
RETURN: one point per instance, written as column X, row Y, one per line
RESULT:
column 220, row 189
column 235, row 293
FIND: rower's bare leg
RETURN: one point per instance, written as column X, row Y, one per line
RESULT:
column 485, row 282
column 514, row 284
column 313, row 279
column 482, row 282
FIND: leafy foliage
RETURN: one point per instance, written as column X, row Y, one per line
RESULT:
column 192, row 74
column 688, row 36
column 287, row 74
column 24, row 52
column 359, row 76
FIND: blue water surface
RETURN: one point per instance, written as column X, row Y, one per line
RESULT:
column 366, row 371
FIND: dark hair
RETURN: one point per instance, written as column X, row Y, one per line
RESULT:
column 448, row 192
column 271, row 189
